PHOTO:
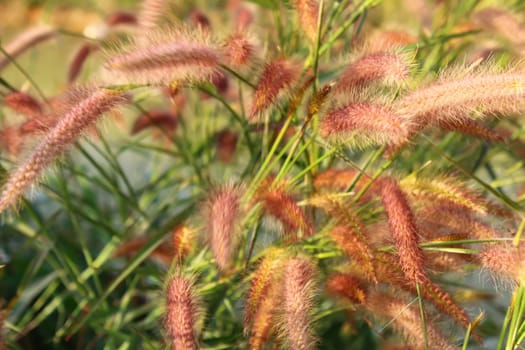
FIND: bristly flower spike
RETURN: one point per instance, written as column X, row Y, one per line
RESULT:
column 365, row 123
column 298, row 292
column 389, row 67
column 308, row 11
column 70, row 127
column 223, row 208
column 276, row 78
column 167, row 56
column 183, row 311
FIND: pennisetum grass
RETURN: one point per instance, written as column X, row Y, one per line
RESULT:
column 259, row 190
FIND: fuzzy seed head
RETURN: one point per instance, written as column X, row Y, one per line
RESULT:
column 298, row 292
column 226, row 142
column 308, row 11
column 354, row 244
column 505, row 262
column 25, row 41
column 451, row 98
column 347, row 286
column 364, row 123
column 182, row 313
column 239, row 51
column 121, row 17
column 277, row 77
column 403, row 229
column 391, row 68
column 24, row 103
column 166, row 121
column 222, row 214
column 67, row 130
column 151, row 11
column 78, row 61
column 280, row 204
column 166, row 57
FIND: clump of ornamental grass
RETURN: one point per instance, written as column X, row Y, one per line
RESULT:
column 384, row 247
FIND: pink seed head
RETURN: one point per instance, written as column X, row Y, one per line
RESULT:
column 276, row 77
column 182, row 313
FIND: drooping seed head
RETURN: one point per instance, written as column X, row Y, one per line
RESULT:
column 151, row 11
column 364, row 123
column 165, row 57
column 308, row 13
column 226, row 143
column 352, row 240
column 403, row 229
column 347, row 286
column 121, row 17
column 297, row 304
column 24, row 103
column 239, row 51
column 67, row 130
column 388, row 67
column 478, row 94
column 164, row 121
column 25, row 41
column 280, row 204
column 223, row 210
column 505, row 262
column 276, row 78
column 406, row 320
column 78, row 61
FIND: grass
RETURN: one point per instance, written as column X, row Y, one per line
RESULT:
column 88, row 257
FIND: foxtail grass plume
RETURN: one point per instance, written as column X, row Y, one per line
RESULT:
column 69, row 128
column 167, row 56
column 24, row 41
column 78, row 61
column 347, row 286
column 183, row 312
column 24, row 104
column 471, row 127
column 503, row 23
column 280, row 204
column 411, row 258
column 406, row 320
column 267, row 274
column 165, row 122
column 226, row 144
column 223, row 210
column 447, row 190
column 505, row 262
column 11, row 140
column 182, row 241
column 388, row 67
column 364, row 123
column 121, row 18
column 239, row 51
column 403, row 229
column 299, row 290
column 451, row 98
column 353, row 242
column 308, row 13
column 151, row 11
column 276, row 78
